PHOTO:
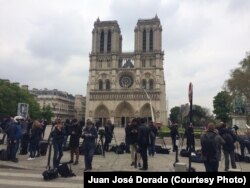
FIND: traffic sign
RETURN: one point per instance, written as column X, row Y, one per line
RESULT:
column 190, row 92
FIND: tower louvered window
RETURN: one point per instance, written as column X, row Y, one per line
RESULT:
column 109, row 42
column 144, row 38
column 151, row 40
column 102, row 42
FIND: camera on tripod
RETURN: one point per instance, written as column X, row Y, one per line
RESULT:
column 235, row 127
column 101, row 132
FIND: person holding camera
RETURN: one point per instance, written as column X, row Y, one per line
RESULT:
column 89, row 135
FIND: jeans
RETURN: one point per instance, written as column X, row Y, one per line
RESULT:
column 58, row 153
column 88, row 156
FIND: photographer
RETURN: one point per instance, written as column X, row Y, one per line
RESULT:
column 89, row 135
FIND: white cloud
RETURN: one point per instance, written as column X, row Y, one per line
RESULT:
column 47, row 43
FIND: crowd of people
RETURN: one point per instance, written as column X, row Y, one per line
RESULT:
column 25, row 136
column 216, row 139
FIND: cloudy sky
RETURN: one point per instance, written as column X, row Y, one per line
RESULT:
column 46, row 43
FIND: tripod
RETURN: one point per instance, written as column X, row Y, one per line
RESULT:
column 99, row 147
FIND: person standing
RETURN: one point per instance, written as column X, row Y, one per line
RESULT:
column 75, row 133
column 211, row 143
column 228, row 148
column 57, row 141
column 108, row 134
column 36, row 133
column 152, row 137
column 132, row 134
column 174, row 135
column 143, row 143
column 189, row 134
column 89, row 135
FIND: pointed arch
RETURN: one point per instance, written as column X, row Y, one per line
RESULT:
column 101, row 111
column 124, row 109
column 145, row 110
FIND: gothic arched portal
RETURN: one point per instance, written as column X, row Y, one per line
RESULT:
column 124, row 113
column 145, row 112
column 101, row 114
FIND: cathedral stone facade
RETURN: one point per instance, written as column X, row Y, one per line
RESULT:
column 125, row 85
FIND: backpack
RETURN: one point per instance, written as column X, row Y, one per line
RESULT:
column 65, row 171
column 208, row 144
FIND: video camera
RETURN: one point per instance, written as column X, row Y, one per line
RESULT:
column 235, row 127
column 101, row 131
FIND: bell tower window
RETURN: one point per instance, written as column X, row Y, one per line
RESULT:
column 151, row 40
column 107, row 85
column 151, row 84
column 144, row 39
column 144, row 84
column 102, row 42
column 109, row 42
column 100, row 85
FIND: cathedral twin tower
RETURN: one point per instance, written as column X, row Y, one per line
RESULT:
column 117, row 79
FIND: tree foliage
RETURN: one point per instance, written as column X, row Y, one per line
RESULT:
column 200, row 115
column 47, row 113
column 11, row 95
column 174, row 114
column 239, row 81
column 222, row 106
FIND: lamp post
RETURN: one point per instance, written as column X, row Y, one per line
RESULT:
column 151, row 108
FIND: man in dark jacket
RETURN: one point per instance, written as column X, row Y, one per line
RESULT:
column 108, row 134
column 153, row 131
column 228, row 148
column 75, row 134
column 143, row 143
column 174, row 135
column 211, row 143
column 57, row 141
column 89, row 135
column 189, row 134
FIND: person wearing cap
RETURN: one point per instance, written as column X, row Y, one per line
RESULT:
column 14, row 133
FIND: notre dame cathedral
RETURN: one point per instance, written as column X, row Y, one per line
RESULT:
column 122, row 85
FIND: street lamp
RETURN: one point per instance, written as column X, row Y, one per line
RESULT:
column 151, row 108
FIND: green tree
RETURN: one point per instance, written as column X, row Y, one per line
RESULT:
column 174, row 114
column 11, row 95
column 239, row 81
column 47, row 113
column 222, row 106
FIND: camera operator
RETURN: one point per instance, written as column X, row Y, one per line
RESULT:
column 89, row 135
column 108, row 133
